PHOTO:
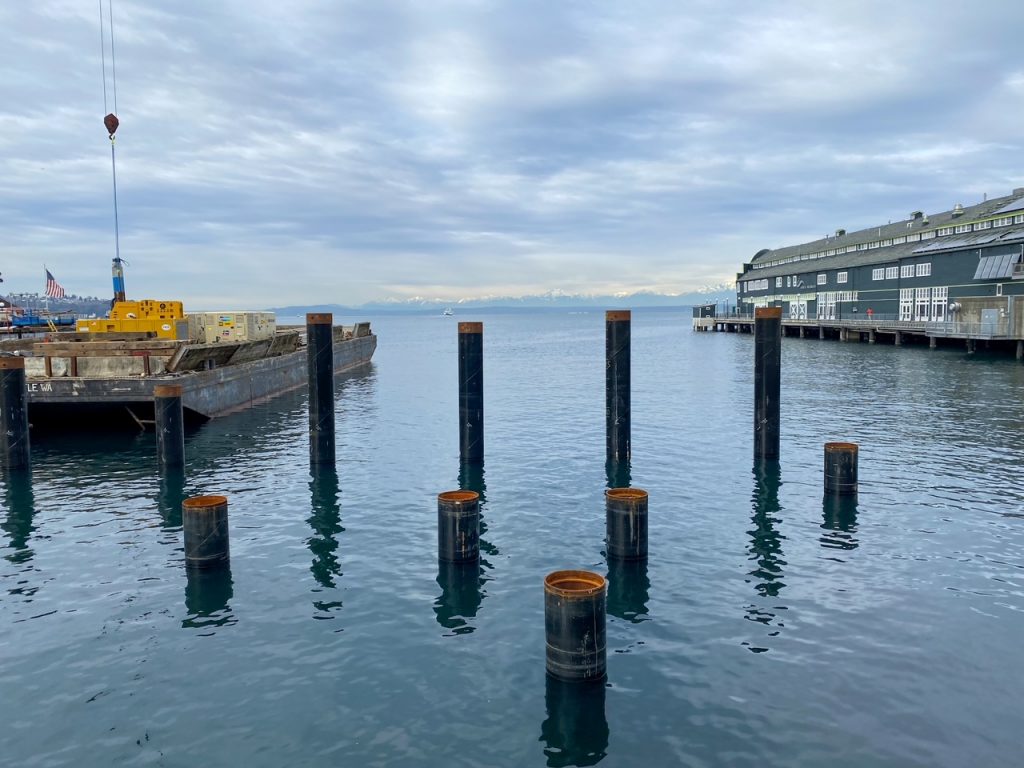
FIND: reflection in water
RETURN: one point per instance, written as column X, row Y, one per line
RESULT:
column 628, row 589
column 325, row 521
column 207, row 593
column 460, row 595
column 20, row 503
column 471, row 478
column 172, row 494
column 839, row 515
column 576, row 730
column 766, row 544
column 618, row 474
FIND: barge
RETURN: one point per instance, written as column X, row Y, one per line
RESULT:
column 72, row 378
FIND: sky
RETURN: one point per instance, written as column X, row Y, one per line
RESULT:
column 302, row 152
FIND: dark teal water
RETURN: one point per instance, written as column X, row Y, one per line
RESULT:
column 766, row 630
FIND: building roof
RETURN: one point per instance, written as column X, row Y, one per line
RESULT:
column 797, row 256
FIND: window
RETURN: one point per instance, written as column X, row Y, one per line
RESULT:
column 778, row 282
column 999, row 289
column 961, row 228
column 878, row 274
column 874, row 244
column 939, row 296
column 907, row 270
column 922, row 303
column 943, row 231
column 1018, row 218
column 822, row 279
column 906, row 303
column 899, row 240
column 891, row 273
column 923, row 270
column 1004, row 221
column 913, row 238
column 928, row 235
column 841, row 277
column 982, row 225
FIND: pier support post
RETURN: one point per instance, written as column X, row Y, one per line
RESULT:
column 616, row 389
column 458, row 526
column 932, row 342
column 204, row 522
column 821, row 332
column 14, row 443
column 169, row 417
column 970, row 346
column 574, row 625
column 841, row 469
column 767, row 381
column 871, row 336
column 471, row 392
column 899, row 339
column 801, row 331
column 320, row 370
column 626, row 523
column 1020, row 350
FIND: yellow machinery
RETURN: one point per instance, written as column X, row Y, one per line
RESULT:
column 148, row 315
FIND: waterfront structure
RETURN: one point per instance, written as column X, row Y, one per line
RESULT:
column 954, row 274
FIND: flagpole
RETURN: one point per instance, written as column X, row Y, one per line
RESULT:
column 46, row 294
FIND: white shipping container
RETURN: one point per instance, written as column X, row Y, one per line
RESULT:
column 237, row 326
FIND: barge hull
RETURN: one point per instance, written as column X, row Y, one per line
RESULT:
column 207, row 394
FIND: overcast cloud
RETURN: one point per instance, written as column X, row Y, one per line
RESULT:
column 301, row 152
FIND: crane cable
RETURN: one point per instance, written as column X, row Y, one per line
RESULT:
column 110, row 121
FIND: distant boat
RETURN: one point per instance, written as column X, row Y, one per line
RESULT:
column 447, row 311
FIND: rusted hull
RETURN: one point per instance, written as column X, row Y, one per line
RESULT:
column 207, row 394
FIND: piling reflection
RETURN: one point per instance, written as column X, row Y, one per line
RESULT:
column 628, row 589
column 618, row 474
column 207, row 593
column 325, row 520
column 576, row 729
column 471, row 478
column 171, row 495
column 839, row 516
column 766, row 544
column 460, row 596
column 20, row 503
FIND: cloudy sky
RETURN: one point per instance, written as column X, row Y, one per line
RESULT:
column 305, row 151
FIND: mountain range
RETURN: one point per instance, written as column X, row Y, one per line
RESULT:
column 555, row 299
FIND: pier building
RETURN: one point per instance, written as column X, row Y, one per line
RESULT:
column 946, row 277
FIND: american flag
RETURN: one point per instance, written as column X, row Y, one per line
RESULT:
column 53, row 288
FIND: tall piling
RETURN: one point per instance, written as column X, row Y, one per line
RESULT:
column 616, row 387
column 576, row 729
column 626, row 523
column 767, row 381
column 14, row 443
column 841, row 469
column 471, row 392
column 204, row 522
column 320, row 367
column 458, row 526
column 169, row 416
column 574, row 625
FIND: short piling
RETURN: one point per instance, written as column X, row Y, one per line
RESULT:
column 458, row 526
column 841, row 469
column 204, row 521
column 14, row 442
column 767, row 381
column 626, row 523
column 170, row 425
column 574, row 625
column 471, row 392
column 320, row 367
column 616, row 393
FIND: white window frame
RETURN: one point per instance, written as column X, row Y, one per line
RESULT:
column 822, row 278
column 906, row 303
column 907, row 270
column 878, row 274
column 778, row 282
column 922, row 303
column 923, row 270
column 892, row 273
column 842, row 277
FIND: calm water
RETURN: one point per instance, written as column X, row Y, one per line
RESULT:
column 766, row 630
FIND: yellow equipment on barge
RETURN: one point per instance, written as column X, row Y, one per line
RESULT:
column 147, row 316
